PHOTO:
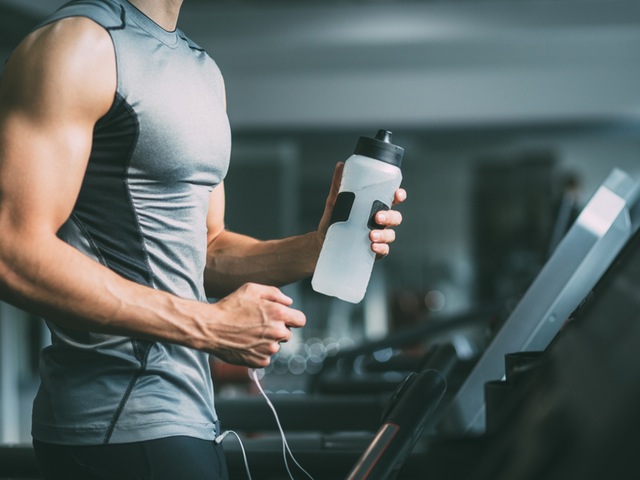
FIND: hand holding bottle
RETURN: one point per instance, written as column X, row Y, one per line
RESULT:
column 368, row 185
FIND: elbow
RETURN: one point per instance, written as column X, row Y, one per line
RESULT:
column 20, row 265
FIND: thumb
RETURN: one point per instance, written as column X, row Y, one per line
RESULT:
column 331, row 199
column 335, row 183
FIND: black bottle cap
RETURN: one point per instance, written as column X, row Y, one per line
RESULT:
column 380, row 148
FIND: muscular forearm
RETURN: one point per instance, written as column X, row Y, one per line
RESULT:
column 51, row 279
column 234, row 259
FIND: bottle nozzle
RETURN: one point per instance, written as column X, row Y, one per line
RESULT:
column 380, row 148
column 384, row 135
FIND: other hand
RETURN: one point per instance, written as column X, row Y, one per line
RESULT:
column 380, row 238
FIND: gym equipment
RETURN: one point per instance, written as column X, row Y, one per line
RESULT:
column 569, row 411
column 410, row 410
column 603, row 227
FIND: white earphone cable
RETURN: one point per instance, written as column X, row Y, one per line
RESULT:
column 222, row 436
column 285, row 446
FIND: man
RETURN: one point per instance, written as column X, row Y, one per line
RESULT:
column 114, row 143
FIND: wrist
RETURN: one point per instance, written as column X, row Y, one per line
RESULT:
column 316, row 239
column 192, row 321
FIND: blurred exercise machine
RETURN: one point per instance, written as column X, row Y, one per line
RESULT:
column 601, row 230
column 570, row 410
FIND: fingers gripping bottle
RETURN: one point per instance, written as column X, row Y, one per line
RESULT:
column 369, row 181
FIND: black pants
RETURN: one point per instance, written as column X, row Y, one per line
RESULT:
column 173, row 458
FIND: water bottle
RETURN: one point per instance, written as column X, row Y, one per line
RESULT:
column 370, row 179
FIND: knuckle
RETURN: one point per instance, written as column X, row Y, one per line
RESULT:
column 275, row 291
column 276, row 311
column 284, row 335
column 262, row 362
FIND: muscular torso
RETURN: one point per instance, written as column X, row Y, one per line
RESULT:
column 141, row 211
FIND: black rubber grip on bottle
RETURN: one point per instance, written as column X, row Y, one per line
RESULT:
column 342, row 207
column 375, row 208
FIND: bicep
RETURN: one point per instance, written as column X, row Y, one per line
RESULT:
column 51, row 94
column 40, row 170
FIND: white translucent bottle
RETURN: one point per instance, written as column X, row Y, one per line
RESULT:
column 369, row 181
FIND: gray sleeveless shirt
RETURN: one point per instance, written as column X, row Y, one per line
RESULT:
column 141, row 211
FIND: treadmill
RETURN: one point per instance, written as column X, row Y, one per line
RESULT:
column 589, row 247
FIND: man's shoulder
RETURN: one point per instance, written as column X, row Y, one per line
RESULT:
column 107, row 13
column 61, row 65
column 71, row 35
